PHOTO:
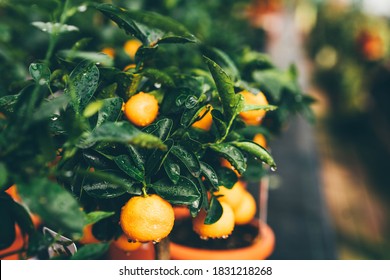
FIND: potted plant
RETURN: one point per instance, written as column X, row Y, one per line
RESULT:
column 108, row 149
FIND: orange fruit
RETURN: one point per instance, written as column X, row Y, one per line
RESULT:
column 141, row 109
column 15, row 246
column 147, row 218
column 205, row 122
column 88, row 237
column 109, row 51
column 232, row 196
column 260, row 139
column 124, row 244
column 131, row 47
column 220, row 229
column 246, row 210
column 253, row 117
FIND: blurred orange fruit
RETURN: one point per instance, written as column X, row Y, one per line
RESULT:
column 206, row 122
column 141, row 109
column 245, row 210
column 253, row 117
column 131, row 47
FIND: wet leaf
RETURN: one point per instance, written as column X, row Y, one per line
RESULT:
column 40, row 73
column 190, row 160
column 125, row 163
column 53, row 204
column 215, row 211
column 232, row 154
column 257, row 151
column 184, row 192
column 172, row 169
column 110, row 111
column 209, row 174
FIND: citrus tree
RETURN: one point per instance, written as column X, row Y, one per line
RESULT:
column 98, row 144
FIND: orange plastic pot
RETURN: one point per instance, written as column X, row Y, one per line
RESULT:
column 145, row 252
column 260, row 249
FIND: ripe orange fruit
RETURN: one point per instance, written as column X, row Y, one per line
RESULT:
column 260, row 139
column 147, row 218
column 131, row 47
column 232, row 196
column 109, row 51
column 253, row 117
column 204, row 123
column 88, row 237
column 124, row 244
column 220, row 229
column 246, row 210
column 141, row 109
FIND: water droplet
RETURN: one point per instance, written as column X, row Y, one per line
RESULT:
column 273, row 168
column 225, row 236
column 42, row 82
column 204, row 238
column 82, row 8
column 54, row 118
column 157, row 85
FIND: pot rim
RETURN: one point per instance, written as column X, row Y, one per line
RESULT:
column 261, row 248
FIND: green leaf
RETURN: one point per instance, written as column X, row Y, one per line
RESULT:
column 7, row 222
column 219, row 122
column 157, row 158
column 3, row 174
column 209, row 173
column 110, row 111
column 184, row 192
column 272, row 81
column 250, row 107
column 149, row 27
column 227, row 177
column 257, row 151
column 160, row 129
column 125, row 163
column 96, row 159
column 231, row 102
column 40, row 73
column 215, row 211
column 54, row 27
column 190, row 160
column 83, row 82
column 172, row 169
column 108, row 184
column 8, row 102
column 136, row 157
column 232, row 154
column 96, row 216
column 122, row 132
column 91, row 251
column 190, row 115
column 158, row 77
column 56, row 206
column 49, row 108
column 93, row 57
column 22, row 218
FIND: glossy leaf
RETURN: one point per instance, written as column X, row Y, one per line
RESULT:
column 209, row 173
column 158, row 77
column 136, row 157
column 149, row 27
column 91, row 251
column 182, row 193
column 219, row 122
column 161, row 129
column 190, row 115
column 97, row 160
column 257, row 151
column 56, row 206
column 83, row 82
column 157, row 158
column 110, row 111
column 231, row 102
column 122, row 132
column 215, row 211
column 232, row 154
column 50, row 107
column 125, row 163
column 40, row 73
column 96, row 216
column 190, row 160
column 227, row 177
column 172, row 169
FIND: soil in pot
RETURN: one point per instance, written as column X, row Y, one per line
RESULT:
column 254, row 241
column 242, row 236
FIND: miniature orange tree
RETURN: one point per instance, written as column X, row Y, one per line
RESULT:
column 85, row 159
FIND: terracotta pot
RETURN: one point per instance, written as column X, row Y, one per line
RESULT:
column 145, row 252
column 261, row 249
